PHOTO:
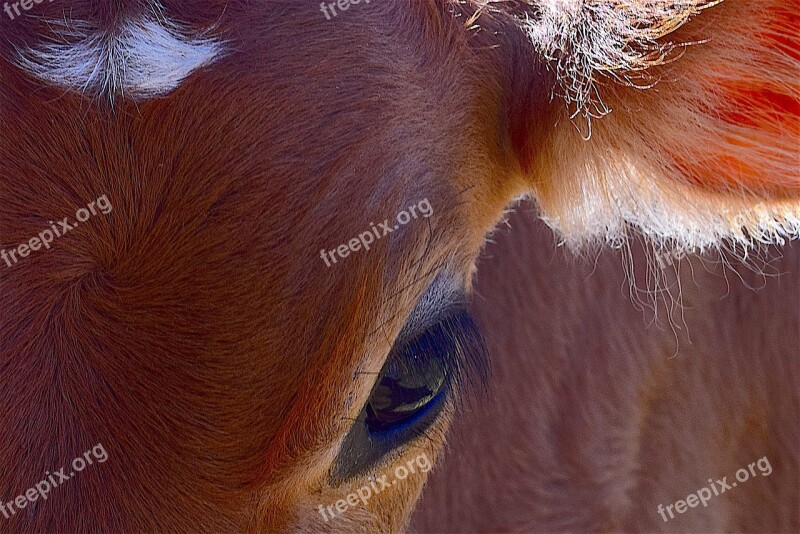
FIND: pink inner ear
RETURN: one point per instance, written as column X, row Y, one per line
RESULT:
column 723, row 114
column 754, row 119
column 757, row 116
column 734, row 160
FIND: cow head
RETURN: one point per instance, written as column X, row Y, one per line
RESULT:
column 271, row 321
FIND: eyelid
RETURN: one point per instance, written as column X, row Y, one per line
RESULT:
column 443, row 297
column 444, row 303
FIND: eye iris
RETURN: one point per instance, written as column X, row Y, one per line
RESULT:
column 409, row 383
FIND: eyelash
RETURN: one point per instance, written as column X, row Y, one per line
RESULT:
column 467, row 366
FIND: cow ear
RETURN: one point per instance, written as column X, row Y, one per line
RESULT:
column 681, row 118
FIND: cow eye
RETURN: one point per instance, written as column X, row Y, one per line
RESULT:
column 424, row 371
column 412, row 380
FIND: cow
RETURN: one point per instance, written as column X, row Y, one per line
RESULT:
column 239, row 239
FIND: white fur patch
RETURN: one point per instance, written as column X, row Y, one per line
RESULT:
column 145, row 58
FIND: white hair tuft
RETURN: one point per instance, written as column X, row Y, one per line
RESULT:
column 586, row 39
column 145, row 58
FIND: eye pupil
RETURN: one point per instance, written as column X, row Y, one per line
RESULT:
column 407, row 386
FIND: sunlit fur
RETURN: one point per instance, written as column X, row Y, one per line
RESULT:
column 586, row 40
column 708, row 153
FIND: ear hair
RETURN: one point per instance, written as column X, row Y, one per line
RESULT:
column 587, row 39
column 706, row 152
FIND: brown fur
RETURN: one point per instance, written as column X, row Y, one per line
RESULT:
column 717, row 155
column 195, row 332
column 599, row 410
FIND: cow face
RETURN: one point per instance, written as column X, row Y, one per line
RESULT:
column 269, row 330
